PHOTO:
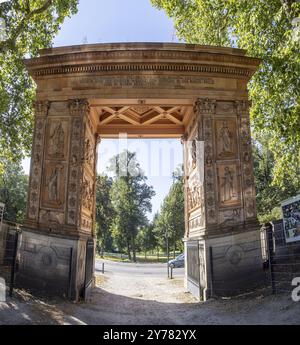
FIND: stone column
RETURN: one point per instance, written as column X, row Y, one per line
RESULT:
column 61, row 197
column 222, row 216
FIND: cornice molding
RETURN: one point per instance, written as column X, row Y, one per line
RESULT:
column 75, row 69
column 67, row 61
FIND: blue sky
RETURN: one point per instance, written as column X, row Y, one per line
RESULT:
column 102, row 21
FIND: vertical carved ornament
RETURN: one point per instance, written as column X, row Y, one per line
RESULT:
column 242, row 108
column 77, row 109
column 41, row 112
column 206, row 109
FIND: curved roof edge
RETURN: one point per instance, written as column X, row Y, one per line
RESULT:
column 143, row 46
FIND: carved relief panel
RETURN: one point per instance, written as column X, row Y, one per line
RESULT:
column 54, row 181
column 57, row 139
column 226, row 138
column 228, row 185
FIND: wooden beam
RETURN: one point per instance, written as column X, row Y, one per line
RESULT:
column 173, row 119
column 154, row 131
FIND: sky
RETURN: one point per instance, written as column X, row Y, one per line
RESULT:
column 107, row 21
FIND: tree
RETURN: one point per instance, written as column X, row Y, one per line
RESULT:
column 170, row 220
column 131, row 200
column 266, row 29
column 13, row 191
column 268, row 195
column 30, row 25
column 146, row 238
column 104, row 213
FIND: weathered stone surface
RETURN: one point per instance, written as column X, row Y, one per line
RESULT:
column 145, row 90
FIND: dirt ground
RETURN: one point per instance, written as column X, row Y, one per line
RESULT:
column 148, row 301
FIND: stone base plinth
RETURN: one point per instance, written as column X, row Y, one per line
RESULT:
column 51, row 265
column 225, row 265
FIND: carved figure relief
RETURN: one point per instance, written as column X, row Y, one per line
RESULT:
column 57, row 140
column 195, row 197
column 54, row 185
column 226, row 139
column 228, row 185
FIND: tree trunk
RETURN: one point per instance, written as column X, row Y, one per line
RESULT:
column 133, row 250
column 128, row 250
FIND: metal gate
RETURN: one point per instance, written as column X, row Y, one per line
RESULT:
column 193, row 267
column 89, row 269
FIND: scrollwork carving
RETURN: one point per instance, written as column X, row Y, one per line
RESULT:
column 79, row 107
column 205, row 106
column 41, row 108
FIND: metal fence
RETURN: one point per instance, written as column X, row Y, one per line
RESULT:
column 283, row 259
column 267, row 262
column 9, row 240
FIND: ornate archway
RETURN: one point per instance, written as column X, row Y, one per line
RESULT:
column 89, row 92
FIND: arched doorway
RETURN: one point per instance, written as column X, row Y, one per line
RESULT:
column 89, row 92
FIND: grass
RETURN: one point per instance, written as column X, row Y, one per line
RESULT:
column 140, row 258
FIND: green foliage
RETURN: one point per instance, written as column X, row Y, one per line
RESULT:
column 268, row 30
column 146, row 240
column 170, row 220
column 104, row 213
column 131, row 199
column 275, row 214
column 31, row 25
column 13, row 191
column 269, row 195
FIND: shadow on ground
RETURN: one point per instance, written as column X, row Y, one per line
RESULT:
column 110, row 309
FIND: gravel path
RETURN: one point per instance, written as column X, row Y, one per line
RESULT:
column 120, row 299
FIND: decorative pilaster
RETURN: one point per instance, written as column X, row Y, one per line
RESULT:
column 206, row 110
column 242, row 109
column 82, row 175
column 41, row 112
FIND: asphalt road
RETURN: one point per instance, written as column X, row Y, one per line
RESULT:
column 126, row 268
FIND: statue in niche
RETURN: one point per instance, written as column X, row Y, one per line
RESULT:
column 227, row 185
column 53, row 185
column 57, row 141
column 225, row 139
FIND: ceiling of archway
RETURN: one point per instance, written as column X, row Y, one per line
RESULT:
column 143, row 120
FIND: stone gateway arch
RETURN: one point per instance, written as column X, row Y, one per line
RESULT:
column 152, row 90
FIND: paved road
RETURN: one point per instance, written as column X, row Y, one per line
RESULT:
column 126, row 268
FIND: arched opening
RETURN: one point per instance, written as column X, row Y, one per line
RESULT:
column 92, row 92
